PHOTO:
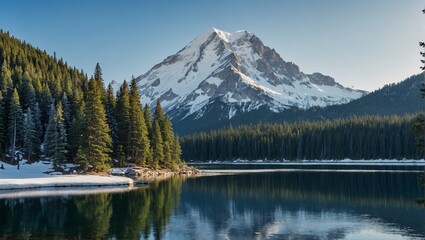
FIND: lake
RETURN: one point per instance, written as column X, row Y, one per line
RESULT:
column 288, row 204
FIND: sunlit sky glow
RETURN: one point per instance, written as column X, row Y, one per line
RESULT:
column 361, row 43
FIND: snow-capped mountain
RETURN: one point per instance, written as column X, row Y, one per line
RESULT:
column 238, row 73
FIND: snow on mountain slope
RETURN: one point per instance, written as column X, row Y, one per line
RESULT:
column 239, row 71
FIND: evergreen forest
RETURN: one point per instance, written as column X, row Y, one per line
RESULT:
column 51, row 110
column 366, row 137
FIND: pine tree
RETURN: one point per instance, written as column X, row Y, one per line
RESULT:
column 50, row 137
column 15, row 122
column 55, row 138
column 77, row 131
column 98, row 78
column 159, row 113
column 45, row 101
column 148, row 119
column 177, row 151
column 123, row 116
column 110, row 106
column 168, row 139
column 59, row 156
column 98, row 75
column 98, row 143
column 157, row 146
column 138, row 145
column 31, row 137
column 36, row 117
column 67, row 112
column 160, row 119
column 27, row 93
column 2, row 127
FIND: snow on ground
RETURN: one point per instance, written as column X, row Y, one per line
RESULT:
column 34, row 176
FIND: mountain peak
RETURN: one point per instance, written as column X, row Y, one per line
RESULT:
column 230, row 37
column 238, row 72
column 222, row 34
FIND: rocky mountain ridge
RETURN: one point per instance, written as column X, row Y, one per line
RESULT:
column 238, row 73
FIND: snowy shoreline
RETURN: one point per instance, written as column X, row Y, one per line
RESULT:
column 64, row 181
column 30, row 176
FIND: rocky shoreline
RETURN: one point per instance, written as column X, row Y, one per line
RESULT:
column 151, row 175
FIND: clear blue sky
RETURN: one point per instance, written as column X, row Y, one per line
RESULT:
column 361, row 43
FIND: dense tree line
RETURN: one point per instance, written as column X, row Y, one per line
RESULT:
column 48, row 108
column 370, row 137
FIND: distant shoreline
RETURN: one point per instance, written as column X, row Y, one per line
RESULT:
column 344, row 162
column 243, row 166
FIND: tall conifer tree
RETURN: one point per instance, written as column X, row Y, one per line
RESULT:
column 123, row 117
column 36, row 117
column 67, row 112
column 97, row 147
column 15, row 121
column 159, row 113
column 27, row 93
column 50, row 134
column 98, row 78
column 110, row 106
column 77, row 131
column 157, row 146
column 168, row 139
column 176, row 151
column 138, row 145
column 170, row 149
column 45, row 101
column 31, row 137
column 148, row 119
column 55, row 138
column 61, row 136
column 2, row 129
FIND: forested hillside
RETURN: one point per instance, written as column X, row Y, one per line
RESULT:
column 393, row 99
column 50, row 109
column 370, row 137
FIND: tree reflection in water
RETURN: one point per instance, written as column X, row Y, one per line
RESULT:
column 131, row 215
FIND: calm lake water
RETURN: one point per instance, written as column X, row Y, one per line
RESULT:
column 296, row 204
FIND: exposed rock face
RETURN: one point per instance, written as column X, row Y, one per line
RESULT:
column 238, row 71
column 320, row 79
